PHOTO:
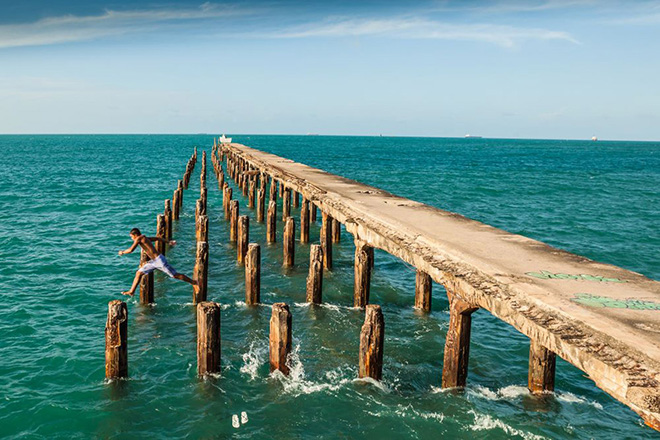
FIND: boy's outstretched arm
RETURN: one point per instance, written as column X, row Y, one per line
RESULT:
column 132, row 248
column 162, row 240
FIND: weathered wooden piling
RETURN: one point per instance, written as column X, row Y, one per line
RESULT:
column 200, row 273
column 146, row 282
column 312, row 213
column 372, row 337
column 252, row 193
column 541, row 378
column 423, row 291
column 202, row 228
column 175, row 205
column 457, row 344
column 304, row 221
column 286, row 204
column 227, row 204
column 336, row 231
column 289, row 242
column 116, row 340
column 253, row 274
column 280, row 338
column 221, row 179
column 180, row 188
column 271, row 222
column 168, row 219
column 233, row 221
column 208, row 338
column 326, row 240
column 362, row 284
column 296, row 198
column 281, row 190
column 161, row 232
column 315, row 276
column 272, row 195
column 242, row 238
column 261, row 204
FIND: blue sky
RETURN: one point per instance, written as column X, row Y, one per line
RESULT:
column 533, row 69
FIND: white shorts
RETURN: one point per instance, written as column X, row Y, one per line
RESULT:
column 159, row 263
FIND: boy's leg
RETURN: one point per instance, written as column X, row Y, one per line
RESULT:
column 136, row 281
column 182, row 277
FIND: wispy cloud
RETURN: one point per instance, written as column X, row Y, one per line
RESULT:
column 71, row 28
column 506, row 36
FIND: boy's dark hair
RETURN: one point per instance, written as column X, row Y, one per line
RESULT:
column 135, row 231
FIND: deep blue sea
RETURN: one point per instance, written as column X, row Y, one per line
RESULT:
column 68, row 202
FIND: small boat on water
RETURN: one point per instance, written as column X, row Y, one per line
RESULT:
column 470, row 136
column 594, row 138
column 224, row 139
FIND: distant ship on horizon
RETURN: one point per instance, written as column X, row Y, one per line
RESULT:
column 471, row 136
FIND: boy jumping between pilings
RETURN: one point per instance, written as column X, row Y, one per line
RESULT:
column 157, row 260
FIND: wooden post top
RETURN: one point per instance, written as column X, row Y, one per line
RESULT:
column 603, row 319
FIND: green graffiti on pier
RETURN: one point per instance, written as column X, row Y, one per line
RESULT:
column 545, row 275
column 603, row 301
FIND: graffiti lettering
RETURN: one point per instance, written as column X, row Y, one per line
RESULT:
column 545, row 275
column 603, row 301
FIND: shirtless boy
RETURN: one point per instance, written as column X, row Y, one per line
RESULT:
column 157, row 260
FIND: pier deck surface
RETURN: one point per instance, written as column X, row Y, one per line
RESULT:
column 603, row 319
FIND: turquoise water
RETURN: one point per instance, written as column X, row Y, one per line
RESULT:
column 68, row 202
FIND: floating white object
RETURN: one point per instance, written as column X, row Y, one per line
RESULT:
column 594, row 138
column 244, row 418
column 235, row 422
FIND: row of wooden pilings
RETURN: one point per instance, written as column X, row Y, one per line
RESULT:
column 116, row 327
column 252, row 183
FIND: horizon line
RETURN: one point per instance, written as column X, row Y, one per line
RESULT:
column 333, row 135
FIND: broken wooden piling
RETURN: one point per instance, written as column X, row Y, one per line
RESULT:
column 271, row 222
column 304, row 221
column 315, row 276
column 208, row 338
column 116, row 340
column 326, row 240
column 233, row 221
column 541, row 378
column 261, row 204
column 200, row 272
column 336, row 231
column 146, row 282
column 286, row 204
column 423, row 291
column 161, row 232
column 227, row 203
column 242, row 238
column 457, row 343
column 168, row 219
column 280, row 338
column 288, row 241
column 372, row 337
column 362, row 279
column 202, row 228
column 252, row 193
column 253, row 274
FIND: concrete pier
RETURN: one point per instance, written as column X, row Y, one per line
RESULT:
column 603, row 319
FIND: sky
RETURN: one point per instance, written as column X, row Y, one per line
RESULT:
column 562, row 69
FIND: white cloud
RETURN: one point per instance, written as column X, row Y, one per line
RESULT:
column 70, row 28
column 507, row 36
column 73, row 28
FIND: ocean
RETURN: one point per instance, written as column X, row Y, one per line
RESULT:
column 67, row 204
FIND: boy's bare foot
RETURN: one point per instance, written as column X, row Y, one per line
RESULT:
column 128, row 293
